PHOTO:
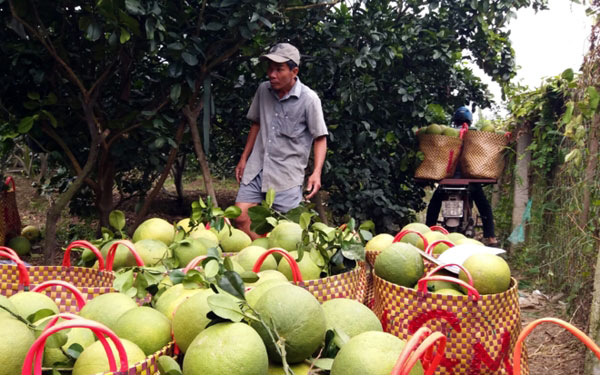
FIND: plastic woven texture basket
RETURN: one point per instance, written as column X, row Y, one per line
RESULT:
column 441, row 155
column 483, row 154
column 481, row 332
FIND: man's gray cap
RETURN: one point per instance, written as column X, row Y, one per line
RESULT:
column 283, row 52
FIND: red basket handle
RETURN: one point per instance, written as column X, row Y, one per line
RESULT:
column 194, row 262
column 110, row 257
column 439, row 229
column 72, row 288
column 86, row 245
column 23, row 274
column 429, row 248
column 403, row 233
column 37, row 349
column 472, row 292
column 421, row 346
column 442, row 266
column 296, row 274
column 10, row 181
column 527, row 330
column 10, row 251
column 463, row 130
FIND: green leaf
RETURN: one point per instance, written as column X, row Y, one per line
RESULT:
column 175, row 46
column 232, row 212
column 324, row 363
column 270, row 197
column 176, row 276
column 354, row 252
column 211, row 268
column 225, row 306
column 25, row 124
column 568, row 74
column 232, row 283
column 93, row 31
column 134, row 7
column 123, row 281
column 305, row 219
column 33, row 95
column 40, row 314
column 214, row 26
column 189, row 59
column 116, row 218
column 227, row 3
column 594, row 98
column 74, row 350
column 125, row 36
column 175, row 92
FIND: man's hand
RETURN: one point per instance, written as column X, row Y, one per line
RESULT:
column 239, row 170
column 313, row 185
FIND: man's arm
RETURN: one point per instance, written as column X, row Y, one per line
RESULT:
column 314, row 181
column 239, row 169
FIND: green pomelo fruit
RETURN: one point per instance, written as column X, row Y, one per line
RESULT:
column 468, row 241
column 206, row 235
column 350, row 316
column 296, row 316
column 413, row 239
column 490, row 273
column 147, row 328
column 155, row 229
column 107, row 308
column 373, row 353
column 54, row 356
column 168, row 302
column 434, row 286
column 152, row 251
column 185, row 224
column 16, row 340
column 240, row 351
column 254, row 294
column 123, row 256
column 451, row 132
column 299, row 369
column 400, row 264
column 488, row 128
column 417, row 227
column 267, row 275
column 190, row 318
column 28, row 303
column 6, row 304
column 434, row 129
column 309, row 269
column 93, row 359
column 449, row 292
column 20, row 244
column 167, row 365
column 189, row 249
column 285, row 235
column 454, row 237
column 233, row 240
column 248, row 256
column 262, row 242
column 435, row 236
column 379, row 242
column 31, row 232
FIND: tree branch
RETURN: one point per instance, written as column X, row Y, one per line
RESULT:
column 48, row 45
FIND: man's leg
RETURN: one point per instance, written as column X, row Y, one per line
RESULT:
column 249, row 195
column 433, row 208
column 485, row 210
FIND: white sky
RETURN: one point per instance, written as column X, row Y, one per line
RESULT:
column 546, row 43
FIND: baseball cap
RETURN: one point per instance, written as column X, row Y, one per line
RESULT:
column 282, row 52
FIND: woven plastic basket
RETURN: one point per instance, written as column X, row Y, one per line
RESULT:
column 483, row 154
column 481, row 330
column 441, row 155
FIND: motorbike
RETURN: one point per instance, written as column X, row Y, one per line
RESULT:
column 457, row 204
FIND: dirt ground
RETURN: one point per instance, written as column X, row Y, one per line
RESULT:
column 551, row 350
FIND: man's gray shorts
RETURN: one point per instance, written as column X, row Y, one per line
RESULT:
column 284, row 200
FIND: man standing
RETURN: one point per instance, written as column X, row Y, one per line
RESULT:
column 287, row 119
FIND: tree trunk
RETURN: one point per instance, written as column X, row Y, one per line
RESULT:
column 104, row 193
column 178, row 169
column 592, row 364
column 521, row 179
column 159, row 184
column 318, row 201
column 57, row 206
column 193, row 122
column 590, row 171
